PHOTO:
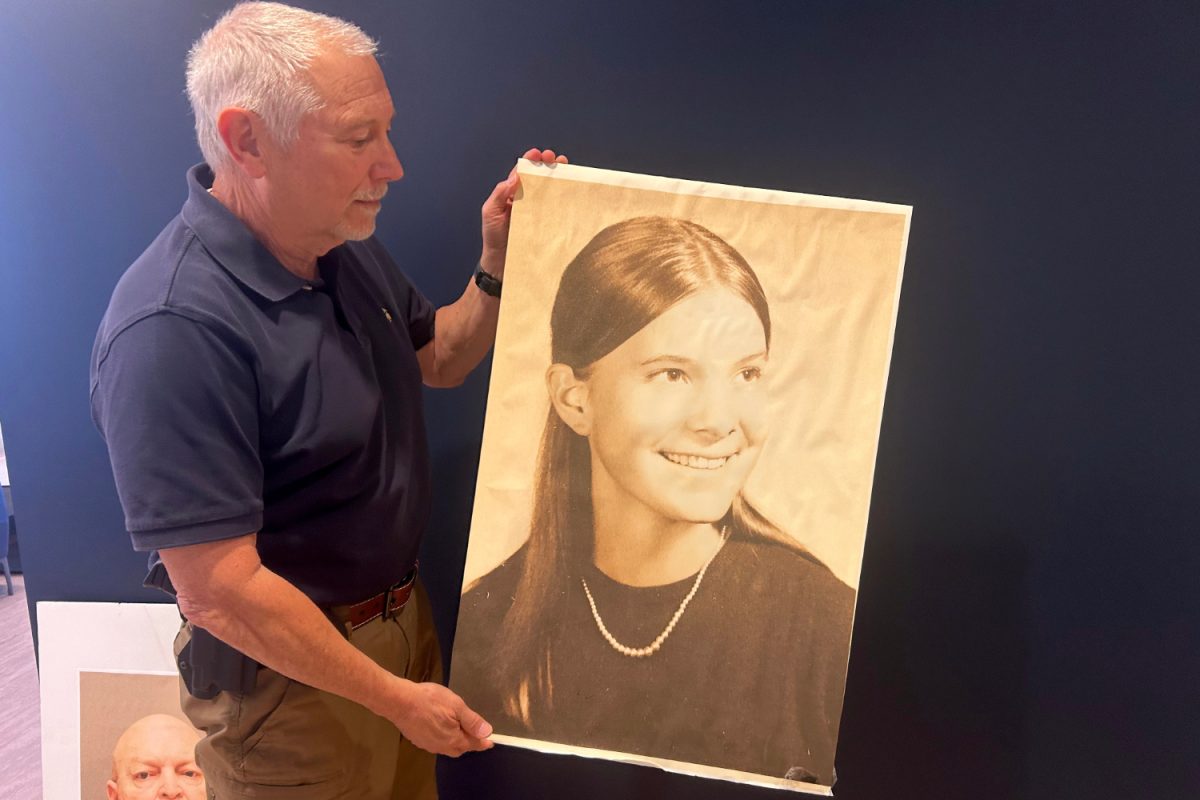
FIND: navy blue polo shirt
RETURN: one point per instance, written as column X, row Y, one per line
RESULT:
column 236, row 397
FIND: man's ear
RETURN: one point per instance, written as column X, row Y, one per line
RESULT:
column 114, row 792
column 569, row 396
column 243, row 132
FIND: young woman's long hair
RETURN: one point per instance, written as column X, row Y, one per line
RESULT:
column 624, row 278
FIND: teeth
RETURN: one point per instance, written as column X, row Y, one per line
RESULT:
column 696, row 462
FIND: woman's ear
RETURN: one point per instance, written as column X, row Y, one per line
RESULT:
column 569, row 396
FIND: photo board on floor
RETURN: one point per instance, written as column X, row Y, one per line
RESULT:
column 110, row 703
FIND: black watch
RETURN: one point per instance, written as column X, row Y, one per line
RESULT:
column 487, row 282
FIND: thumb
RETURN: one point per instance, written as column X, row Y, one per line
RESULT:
column 503, row 192
column 511, row 183
column 473, row 724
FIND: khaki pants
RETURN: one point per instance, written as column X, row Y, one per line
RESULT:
column 289, row 741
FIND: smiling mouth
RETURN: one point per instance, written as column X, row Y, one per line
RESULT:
column 697, row 462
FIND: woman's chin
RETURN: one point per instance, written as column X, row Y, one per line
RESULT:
column 704, row 512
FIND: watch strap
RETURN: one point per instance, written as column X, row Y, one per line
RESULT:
column 487, row 283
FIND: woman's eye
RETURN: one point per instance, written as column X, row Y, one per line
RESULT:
column 750, row 374
column 669, row 375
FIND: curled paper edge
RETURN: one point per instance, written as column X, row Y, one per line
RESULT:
column 665, row 764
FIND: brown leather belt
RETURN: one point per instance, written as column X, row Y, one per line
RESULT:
column 386, row 604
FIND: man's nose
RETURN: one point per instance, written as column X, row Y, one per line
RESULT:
column 169, row 787
column 388, row 167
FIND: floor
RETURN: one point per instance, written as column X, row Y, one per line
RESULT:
column 20, row 720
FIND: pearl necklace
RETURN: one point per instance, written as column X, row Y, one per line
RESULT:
column 653, row 647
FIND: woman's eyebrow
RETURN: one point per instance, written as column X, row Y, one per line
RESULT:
column 667, row 358
column 762, row 354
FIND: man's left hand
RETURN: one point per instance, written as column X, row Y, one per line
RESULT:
column 497, row 212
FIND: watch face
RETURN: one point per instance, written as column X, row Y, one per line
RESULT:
column 490, row 284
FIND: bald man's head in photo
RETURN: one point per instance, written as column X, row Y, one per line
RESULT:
column 155, row 759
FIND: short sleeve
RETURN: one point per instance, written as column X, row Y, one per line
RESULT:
column 419, row 312
column 176, row 401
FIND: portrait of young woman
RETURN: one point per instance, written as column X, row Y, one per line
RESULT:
column 653, row 609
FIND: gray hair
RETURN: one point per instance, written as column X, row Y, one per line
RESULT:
column 257, row 57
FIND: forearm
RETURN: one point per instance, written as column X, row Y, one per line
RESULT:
column 465, row 331
column 224, row 588
column 273, row 622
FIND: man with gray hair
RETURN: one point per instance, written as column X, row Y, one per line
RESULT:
column 257, row 378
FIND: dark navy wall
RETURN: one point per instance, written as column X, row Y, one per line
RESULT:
column 1029, row 620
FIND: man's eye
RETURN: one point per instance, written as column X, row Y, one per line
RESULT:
column 141, row 776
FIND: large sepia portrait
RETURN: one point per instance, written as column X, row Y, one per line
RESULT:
column 677, row 459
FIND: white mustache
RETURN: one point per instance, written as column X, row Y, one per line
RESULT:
column 372, row 196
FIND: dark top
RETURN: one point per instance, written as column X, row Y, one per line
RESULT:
column 751, row 678
column 236, row 397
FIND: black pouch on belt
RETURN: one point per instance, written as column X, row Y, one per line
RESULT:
column 207, row 665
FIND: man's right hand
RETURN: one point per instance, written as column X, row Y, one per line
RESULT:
column 436, row 719
column 224, row 588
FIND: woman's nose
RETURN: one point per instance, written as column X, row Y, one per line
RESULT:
column 713, row 415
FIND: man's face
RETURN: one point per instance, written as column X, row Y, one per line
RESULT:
column 155, row 759
column 325, row 187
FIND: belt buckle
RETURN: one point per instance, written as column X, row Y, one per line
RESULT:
column 387, row 595
column 387, row 603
